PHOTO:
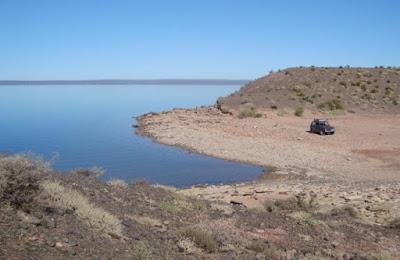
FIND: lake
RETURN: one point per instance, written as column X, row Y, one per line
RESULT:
column 91, row 125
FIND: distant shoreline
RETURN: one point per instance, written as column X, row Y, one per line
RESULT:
column 127, row 82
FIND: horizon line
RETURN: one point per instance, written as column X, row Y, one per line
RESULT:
column 127, row 81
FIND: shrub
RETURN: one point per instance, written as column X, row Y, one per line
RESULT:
column 331, row 105
column 308, row 99
column 94, row 216
column 307, row 205
column 117, row 183
column 19, row 180
column 274, row 107
column 299, row 111
column 202, row 239
column 250, row 113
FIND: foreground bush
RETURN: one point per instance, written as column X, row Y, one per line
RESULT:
column 19, row 180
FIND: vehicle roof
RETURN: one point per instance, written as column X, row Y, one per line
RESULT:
column 320, row 120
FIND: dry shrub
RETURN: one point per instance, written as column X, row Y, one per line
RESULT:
column 93, row 171
column 19, row 179
column 94, row 216
column 202, row 238
column 117, row 183
column 346, row 210
column 298, row 203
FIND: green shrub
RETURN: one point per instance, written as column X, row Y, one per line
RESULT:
column 331, row 105
column 299, row 111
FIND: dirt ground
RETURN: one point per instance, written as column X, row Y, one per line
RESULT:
column 359, row 165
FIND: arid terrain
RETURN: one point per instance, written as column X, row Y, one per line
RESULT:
column 267, row 123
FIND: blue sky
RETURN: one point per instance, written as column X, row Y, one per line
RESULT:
column 95, row 39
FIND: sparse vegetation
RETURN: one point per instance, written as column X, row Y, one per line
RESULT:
column 250, row 112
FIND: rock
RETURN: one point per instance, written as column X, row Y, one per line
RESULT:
column 50, row 243
column 114, row 235
column 28, row 218
column 59, row 244
column 335, row 244
column 50, row 223
column 235, row 202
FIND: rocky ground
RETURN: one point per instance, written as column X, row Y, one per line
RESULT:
column 49, row 215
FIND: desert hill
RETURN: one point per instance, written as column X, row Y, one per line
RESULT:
column 320, row 89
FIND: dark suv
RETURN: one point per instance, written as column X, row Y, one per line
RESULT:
column 322, row 127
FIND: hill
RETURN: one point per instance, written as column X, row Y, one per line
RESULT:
column 320, row 89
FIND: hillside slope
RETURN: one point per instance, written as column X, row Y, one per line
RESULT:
column 45, row 214
column 320, row 89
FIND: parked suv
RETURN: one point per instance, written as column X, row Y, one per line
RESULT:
column 322, row 127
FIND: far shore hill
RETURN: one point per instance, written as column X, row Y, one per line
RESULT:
column 128, row 82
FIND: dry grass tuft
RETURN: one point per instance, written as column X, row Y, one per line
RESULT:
column 94, row 216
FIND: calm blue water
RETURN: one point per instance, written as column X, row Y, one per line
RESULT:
column 91, row 126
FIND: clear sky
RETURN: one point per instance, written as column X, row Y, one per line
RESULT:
column 95, row 39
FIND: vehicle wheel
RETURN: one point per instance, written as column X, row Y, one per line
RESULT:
column 321, row 132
